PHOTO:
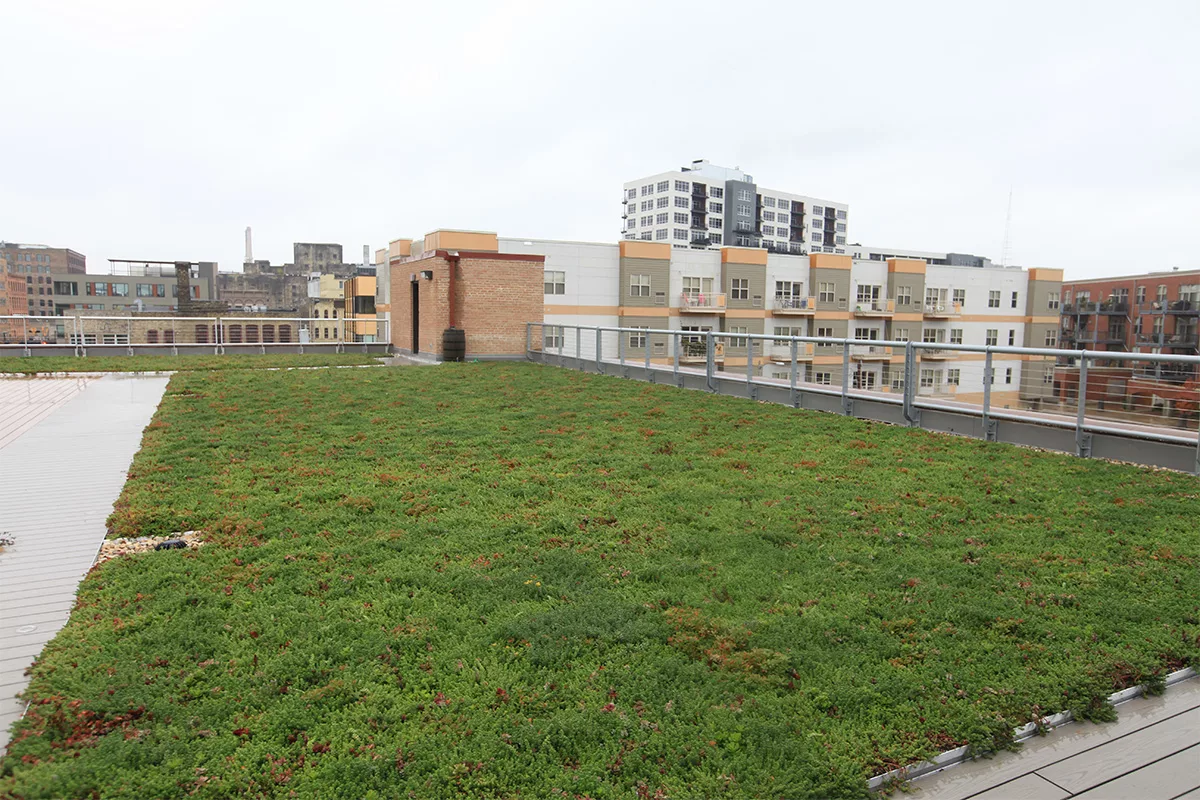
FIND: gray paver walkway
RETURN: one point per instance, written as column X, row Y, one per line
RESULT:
column 1152, row 752
column 63, row 462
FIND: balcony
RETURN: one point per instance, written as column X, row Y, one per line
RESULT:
column 883, row 307
column 701, row 303
column 1082, row 308
column 781, row 352
column 1114, row 307
column 943, row 310
column 1182, row 341
column 1152, row 339
column 937, row 354
column 794, row 306
column 870, row 352
column 1184, row 308
column 695, row 351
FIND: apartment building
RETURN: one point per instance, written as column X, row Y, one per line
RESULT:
column 1152, row 312
column 859, row 251
column 127, row 286
column 327, row 305
column 13, row 301
column 32, row 259
column 735, row 290
column 705, row 206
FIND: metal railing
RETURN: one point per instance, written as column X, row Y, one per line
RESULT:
column 1137, row 407
column 50, row 335
column 701, row 300
column 786, row 303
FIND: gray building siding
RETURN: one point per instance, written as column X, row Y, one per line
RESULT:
column 659, row 270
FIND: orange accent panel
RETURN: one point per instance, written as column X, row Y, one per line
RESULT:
column 907, row 317
column 639, row 249
column 909, row 265
column 462, row 240
column 829, row 261
column 1044, row 274
column 643, row 311
column 743, row 255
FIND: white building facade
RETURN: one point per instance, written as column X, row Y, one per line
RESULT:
column 703, row 206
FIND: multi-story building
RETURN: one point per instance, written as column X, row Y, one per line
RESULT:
column 703, row 206
column 327, row 304
column 31, row 259
column 859, row 251
column 127, row 286
column 309, row 257
column 13, row 301
column 362, row 322
column 733, row 290
column 1153, row 312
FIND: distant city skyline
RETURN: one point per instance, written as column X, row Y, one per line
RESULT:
column 143, row 144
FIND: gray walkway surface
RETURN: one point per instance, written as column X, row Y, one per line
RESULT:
column 1152, row 752
column 65, row 448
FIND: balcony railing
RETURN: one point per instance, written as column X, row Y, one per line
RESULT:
column 779, row 351
column 943, row 310
column 870, row 352
column 1114, row 307
column 794, row 305
column 1182, row 340
column 703, row 302
column 882, row 307
column 937, row 353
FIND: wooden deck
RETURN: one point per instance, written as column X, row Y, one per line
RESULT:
column 1152, row 752
column 65, row 448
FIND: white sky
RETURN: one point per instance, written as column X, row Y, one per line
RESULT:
column 151, row 129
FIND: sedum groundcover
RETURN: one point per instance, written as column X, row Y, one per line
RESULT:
column 32, row 365
column 490, row 580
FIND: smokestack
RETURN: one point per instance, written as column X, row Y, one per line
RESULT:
column 249, row 249
column 366, row 255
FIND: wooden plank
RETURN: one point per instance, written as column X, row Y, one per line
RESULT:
column 971, row 778
column 1102, row 764
column 1163, row 779
column 1027, row 787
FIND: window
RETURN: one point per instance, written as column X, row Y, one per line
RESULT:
column 66, row 287
column 715, row 237
column 98, row 289
column 681, row 219
column 841, row 214
column 639, row 285
column 683, row 186
column 647, row 221
column 647, row 205
column 555, row 281
column 682, row 202
column 743, row 210
column 664, row 186
column 716, row 208
column 552, row 337
column 717, row 193
column 1014, row 299
column 768, row 216
column 900, row 334
column 144, row 289
column 959, row 296
column 953, row 376
column 931, row 335
column 785, row 331
column 1052, row 338
column 1047, row 378
column 662, row 202
column 818, row 211
column 841, row 227
column 681, row 233
column 868, row 293
column 994, row 298
column 1008, row 374
column 817, row 236
column 1012, row 337
column 825, row 292
column 661, row 233
column 769, row 202
column 992, row 335
column 824, row 333
column 737, row 341
column 840, row 240
column 695, row 287
column 714, row 223
column 768, row 230
column 1141, row 296
column 744, row 194
column 1052, row 299
column 898, row 381
column 327, row 313
column 637, row 339
column 866, row 334
column 823, row 378
column 903, row 295
column 661, row 219
column 739, row 288
column 790, row 290
column 927, row 378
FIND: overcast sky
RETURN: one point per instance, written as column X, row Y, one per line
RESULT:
column 160, row 130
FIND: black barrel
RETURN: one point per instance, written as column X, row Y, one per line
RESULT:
column 454, row 344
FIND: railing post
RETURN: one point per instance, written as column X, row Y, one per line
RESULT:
column 1083, row 444
column 599, row 342
column 529, row 341
column 749, row 367
column 621, row 351
column 578, row 347
column 792, row 373
column 709, row 361
column 910, row 379
column 646, row 346
column 847, row 406
column 25, row 337
column 129, row 336
column 675, row 342
column 987, row 394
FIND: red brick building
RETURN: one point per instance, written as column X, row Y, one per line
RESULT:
column 1155, row 312
column 459, row 279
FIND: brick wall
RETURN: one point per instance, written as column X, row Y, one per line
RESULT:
column 494, row 297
